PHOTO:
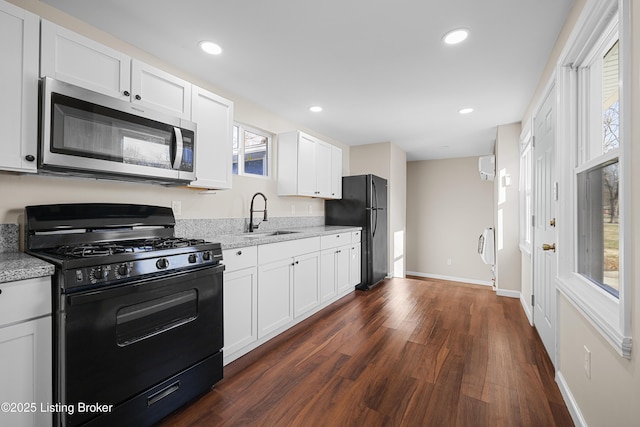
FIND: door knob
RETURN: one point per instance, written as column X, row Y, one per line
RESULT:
column 551, row 247
column 552, row 222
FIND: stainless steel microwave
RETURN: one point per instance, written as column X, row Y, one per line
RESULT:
column 89, row 134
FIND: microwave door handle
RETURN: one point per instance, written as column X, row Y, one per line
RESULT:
column 178, row 146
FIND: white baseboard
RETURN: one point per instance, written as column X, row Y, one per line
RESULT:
column 450, row 278
column 570, row 401
column 508, row 293
column 527, row 309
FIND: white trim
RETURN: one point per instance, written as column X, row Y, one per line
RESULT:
column 508, row 293
column 570, row 401
column 527, row 309
column 450, row 278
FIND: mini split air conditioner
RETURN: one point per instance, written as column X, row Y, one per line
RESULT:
column 487, row 167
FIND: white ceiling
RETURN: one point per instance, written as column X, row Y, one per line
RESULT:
column 377, row 67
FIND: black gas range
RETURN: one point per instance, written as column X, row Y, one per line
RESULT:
column 137, row 310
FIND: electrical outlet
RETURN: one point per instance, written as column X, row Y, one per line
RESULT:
column 448, row 261
column 176, row 206
column 587, row 362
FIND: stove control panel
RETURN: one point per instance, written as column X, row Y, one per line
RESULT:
column 124, row 270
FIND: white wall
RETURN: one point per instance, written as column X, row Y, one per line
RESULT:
column 507, row 201
column 448, row 207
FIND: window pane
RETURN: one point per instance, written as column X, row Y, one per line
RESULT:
column 610, row 100
column 255, row 153
column 598, row 226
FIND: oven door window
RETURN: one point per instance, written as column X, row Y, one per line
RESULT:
column 139, row 321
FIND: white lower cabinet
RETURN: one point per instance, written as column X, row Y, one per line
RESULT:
column 25, row 352
column 355, row 263
column 292, row 280
column 240, row 295
column 306, row 283
column 275, row 291
column 336, row 269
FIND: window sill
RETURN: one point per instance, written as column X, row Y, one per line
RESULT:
column 599, row 308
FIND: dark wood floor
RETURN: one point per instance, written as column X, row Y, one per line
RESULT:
column 407, row 353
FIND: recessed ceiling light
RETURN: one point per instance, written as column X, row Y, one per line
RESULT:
column 210, row 47
column 315, row 109
column 456, row 36
column 465, row 110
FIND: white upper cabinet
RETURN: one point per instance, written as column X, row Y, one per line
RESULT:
column 213, row 115
column 336, row 172
column 308, row 166
column 159, row 90
column 19, row 88
column 78, row 60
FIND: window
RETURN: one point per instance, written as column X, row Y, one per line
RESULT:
column 598, row 184
column 593, row 267
column 251, row 151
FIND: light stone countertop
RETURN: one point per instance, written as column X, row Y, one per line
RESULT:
column 240, row 240
column 20, row 266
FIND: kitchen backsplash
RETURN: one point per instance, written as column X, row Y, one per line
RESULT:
column 9, row 237
column 194, row 227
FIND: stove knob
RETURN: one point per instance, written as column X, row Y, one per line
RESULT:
column 123, row 269
column 99, row 273
column 206, row 256
column 162, row 263
column 193, row 258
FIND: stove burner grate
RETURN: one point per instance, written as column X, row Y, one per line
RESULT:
column 104, row 249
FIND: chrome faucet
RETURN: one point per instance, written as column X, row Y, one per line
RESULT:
column 251, row 211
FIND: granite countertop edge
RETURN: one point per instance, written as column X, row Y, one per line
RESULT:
column 16, row 266
column 242, row 240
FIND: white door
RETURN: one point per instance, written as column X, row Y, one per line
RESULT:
column 545, row 200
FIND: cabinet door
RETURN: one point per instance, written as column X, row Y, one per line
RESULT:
column 75, row 59
column 240, row 309
column 306, row 283
column 213, row 115
column 355, row 264
column 19, row 88
column 336, row 172
column 25, row 369
column 323, row 169
column 275, row 303
column 343, row 268
column 328, row 274
column 160, row 91
column 306, row 166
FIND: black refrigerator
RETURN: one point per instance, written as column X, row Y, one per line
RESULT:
column 364, row 204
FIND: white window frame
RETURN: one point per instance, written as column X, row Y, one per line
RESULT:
column 241, row 150
column 526, row 186
column 611, row 317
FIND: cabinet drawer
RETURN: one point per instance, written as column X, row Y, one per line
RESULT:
column 291, row 248
column 335, row 240
column 239, row 258
column 356, row 236
column 24, row 299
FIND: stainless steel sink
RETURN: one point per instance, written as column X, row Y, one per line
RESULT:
column 267, row 234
